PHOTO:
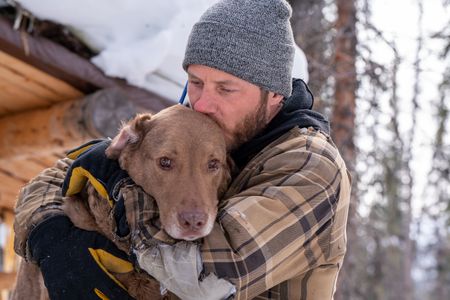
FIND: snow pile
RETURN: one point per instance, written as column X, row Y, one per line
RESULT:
column 140, row 40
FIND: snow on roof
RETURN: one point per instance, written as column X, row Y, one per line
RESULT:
column 139, row 40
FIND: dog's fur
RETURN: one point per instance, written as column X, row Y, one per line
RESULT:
column 186, row 190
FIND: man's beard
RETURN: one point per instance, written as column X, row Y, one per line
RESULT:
column 252, row 124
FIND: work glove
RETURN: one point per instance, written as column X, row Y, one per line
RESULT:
column 106, row 176
column 178, row 268
column 77, row 264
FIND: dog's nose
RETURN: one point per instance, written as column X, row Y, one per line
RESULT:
column 193, row 220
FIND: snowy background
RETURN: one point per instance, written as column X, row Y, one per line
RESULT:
column 139, row 40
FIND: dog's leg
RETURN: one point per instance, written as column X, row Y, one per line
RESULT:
column 76, row 209
column 29, row 283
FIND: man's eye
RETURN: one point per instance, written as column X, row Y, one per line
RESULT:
column 165, row 163
column 225, row 90
column 195, row 83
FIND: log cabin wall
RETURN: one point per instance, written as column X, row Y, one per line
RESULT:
column 23, row 88
column 51, row 100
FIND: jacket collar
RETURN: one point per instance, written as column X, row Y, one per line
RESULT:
column 296, row 111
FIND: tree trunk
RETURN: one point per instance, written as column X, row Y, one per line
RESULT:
column 312, row 33
column 343, row 127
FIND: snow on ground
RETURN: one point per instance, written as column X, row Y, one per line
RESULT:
column 139, row 40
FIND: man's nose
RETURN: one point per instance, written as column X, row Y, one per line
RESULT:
column 205, row 103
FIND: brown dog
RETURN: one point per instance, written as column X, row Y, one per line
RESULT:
column 178, row 156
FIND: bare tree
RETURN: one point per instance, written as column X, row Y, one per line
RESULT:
column 343, row 125
column 438, row 210
column 313, row 33
column 381, row 253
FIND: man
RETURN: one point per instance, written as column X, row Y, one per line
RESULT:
column 280, row 232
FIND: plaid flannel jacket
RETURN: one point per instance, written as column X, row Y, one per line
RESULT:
column 281, row 225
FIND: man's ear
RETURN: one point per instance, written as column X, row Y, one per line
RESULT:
column 274, row 103
column 275, row 99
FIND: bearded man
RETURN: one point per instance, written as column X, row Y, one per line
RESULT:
column 280, row 230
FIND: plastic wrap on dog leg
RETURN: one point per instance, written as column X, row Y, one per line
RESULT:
column 217, row 288
column 178, row 267
column 150, row 260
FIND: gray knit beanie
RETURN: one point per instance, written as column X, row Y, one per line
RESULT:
column 250, row 39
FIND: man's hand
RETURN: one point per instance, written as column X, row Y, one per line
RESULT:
column 91, row 164
column 77, row 264
column 178, row 267
column 107, row 177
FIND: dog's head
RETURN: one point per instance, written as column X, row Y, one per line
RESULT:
column 178, row 156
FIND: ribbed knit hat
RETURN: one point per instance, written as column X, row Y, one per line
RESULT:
column 250, row 39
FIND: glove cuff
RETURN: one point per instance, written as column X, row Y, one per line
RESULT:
column 122, row 179
column 46, row 234
column 74, row 153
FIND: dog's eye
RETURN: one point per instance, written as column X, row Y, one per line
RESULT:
column 213, row 165
column 165, row 163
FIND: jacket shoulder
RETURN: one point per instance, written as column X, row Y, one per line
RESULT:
column 300, row 142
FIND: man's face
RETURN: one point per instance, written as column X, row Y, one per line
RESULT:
column 240, row 108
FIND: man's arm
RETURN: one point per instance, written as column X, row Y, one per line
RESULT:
column 283, row 217
column 74, row 263
column 282, row 222
column 40, row 199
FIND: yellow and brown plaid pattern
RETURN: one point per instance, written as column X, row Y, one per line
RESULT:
column 281, row 232
column 41, row 198
column 281, row 225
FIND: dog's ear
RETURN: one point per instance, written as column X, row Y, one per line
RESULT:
column 125, row 137
column 131, row 133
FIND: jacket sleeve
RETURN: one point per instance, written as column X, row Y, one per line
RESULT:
column 279, row 225
column 38, row 200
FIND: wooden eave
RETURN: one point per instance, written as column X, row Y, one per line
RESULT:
column 51, row 100
column 68, row 67
column 37, row 77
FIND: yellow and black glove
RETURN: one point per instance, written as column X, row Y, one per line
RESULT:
column 77, row 264
column 106, row 175
column 91, row 164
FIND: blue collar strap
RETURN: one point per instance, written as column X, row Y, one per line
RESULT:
column 183, row 95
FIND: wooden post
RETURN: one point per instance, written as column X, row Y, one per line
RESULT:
column 64, row 125
column 7, row 280
column 8, row 274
